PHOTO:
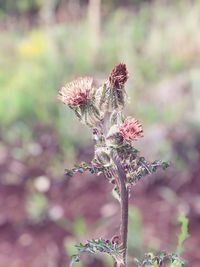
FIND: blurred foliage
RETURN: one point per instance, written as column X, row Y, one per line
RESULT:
column 135, row 231
column 20, row 6
column 32, row 6
column 168, row 259
column 154, row 44
column 80, row 227
column 184, row 234
column 37, row 206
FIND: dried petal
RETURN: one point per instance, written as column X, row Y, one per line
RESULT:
column 118, row 76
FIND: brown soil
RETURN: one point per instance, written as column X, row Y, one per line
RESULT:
column 28, row 243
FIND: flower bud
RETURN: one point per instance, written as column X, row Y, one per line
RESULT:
column 111, row 96
column 118, row 76
column 102, row 156
column 114, row 139
column 89, row 115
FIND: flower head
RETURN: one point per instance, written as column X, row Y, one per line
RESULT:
column 77, row 92
column 78, row 95
column 131, row 130
column 118, row 76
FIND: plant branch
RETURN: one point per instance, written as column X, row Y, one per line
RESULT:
column 124, row 208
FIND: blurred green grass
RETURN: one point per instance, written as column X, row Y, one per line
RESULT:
column 156, row 43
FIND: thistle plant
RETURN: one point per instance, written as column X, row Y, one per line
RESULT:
column 115, row 155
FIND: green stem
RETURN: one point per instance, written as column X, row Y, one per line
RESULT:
column 124, row 209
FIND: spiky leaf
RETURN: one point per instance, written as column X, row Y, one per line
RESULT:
column 101, row 245
column 162, row 259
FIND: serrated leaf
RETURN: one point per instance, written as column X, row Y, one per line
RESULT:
column 162, row 259
column 102, row 246
column 82, row 167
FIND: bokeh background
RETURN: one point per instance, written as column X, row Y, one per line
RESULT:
column 45, row 43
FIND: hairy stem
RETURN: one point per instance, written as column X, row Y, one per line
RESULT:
column 115, row 263
column 124, row 209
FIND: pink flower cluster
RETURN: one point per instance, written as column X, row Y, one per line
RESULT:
column 131, row 130
column 77, row 92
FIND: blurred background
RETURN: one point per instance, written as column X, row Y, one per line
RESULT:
column 45, row 43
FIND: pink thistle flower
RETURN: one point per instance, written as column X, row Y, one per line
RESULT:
column 131, row 130
column 77, row 92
